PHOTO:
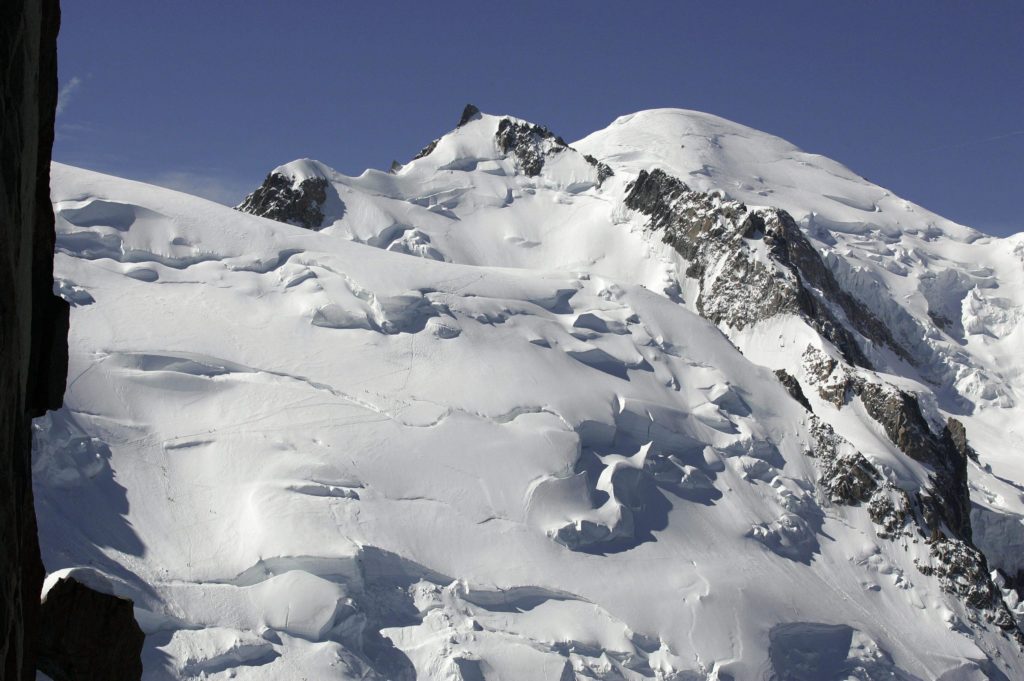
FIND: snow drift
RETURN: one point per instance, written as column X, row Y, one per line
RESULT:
column 513, row 411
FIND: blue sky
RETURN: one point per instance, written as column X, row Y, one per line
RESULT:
column 924, row 98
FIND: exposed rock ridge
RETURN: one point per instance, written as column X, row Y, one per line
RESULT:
column 792, row 386
column 426, row 151
column 725, row 241
column 529, row 143
column 603, row 170
column 470, row 113
column 846, row 476
column 939, row 514
column 753, row 264
column 281, row 198
column 899, row 413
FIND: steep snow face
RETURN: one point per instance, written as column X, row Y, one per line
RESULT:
column 524, row 453
column 708, row 153
column 950, row 295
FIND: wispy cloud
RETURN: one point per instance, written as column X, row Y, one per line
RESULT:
column 227, row 191
column 66, row 92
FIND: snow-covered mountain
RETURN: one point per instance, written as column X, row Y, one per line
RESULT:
column 675, row 401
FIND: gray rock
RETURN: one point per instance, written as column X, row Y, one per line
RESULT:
column 603, row 171
column 524, row 141
column 847, row 477
column 736, row 287
column 792, row 386
column 279, row 198
column 470, row 113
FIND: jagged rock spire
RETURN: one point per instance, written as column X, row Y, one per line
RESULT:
column 468, row 114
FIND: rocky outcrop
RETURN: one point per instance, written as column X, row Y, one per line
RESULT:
column 792, row 386
column 958, row 436
column 947, row 502
column 33, row 322
column 468, row 114
column 86, row 635
column 939, row 514
column 281, row 198
column 426, row 151
column 528, row 143
column 947, row 506
column 846, row 476
column 603, row 171
column 962, row 570
column 890, row 509
column 723, row 241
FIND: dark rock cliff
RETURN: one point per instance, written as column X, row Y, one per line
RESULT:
column 939, row 513
column 67, row 651
column 33, row 360
column 33, row 322
column 280, row 198
column 526, row 142
column 720, row 239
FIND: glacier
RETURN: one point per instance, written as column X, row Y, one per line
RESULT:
column 524, row 409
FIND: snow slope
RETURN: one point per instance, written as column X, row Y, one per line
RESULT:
column 475, row 428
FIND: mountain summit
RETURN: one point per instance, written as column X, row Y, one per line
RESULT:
column 675, row 401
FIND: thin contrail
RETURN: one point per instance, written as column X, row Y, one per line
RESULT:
column 969, row 143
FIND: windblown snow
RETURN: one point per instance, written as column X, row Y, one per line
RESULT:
column 480, row 422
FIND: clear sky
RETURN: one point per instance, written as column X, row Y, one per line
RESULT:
column 925, row 98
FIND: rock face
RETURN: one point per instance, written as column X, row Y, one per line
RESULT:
column 529, row 144
column 603, row 171
column 947, row 505
column 33, row 322
column 33, row 370
column 963, row 570
column 900, row 415
column 721, row 239
column 940, row 513
column 846, row 475
column 280, row 198
column 753, row 264
column 792, row 386
column 468, row 114
column 75, row 637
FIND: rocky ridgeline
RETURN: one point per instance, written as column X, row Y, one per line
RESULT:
column 899, row 413
column 721, row 240
column 529, row 144
column 725, row 243
column 846, row 476
column 280, row 198
column 939, row 514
